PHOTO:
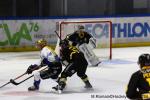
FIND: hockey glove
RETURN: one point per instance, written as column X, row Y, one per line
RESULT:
column 31, row 68
column 92, row 42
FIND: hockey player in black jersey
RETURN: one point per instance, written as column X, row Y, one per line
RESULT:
column 76, row 64
column 139, row 85
column 85, row 42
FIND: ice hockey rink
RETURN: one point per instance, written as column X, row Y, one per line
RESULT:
column 109, row 79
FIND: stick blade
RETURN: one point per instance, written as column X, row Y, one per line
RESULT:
column 13, row 82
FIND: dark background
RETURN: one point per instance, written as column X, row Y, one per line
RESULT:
column 46, row 8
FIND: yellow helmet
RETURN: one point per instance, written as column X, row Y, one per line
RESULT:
column 41, row 42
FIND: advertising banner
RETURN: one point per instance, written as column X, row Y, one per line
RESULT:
column 19, row 33
column 125, row 31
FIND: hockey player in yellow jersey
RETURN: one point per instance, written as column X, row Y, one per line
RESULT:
column 76, row 64
column 139, row 84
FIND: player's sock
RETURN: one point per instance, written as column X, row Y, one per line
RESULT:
column 35, row 86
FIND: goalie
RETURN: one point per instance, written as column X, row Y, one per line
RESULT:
column 85, row 43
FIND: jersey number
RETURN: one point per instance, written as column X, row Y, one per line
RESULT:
column 148, row 80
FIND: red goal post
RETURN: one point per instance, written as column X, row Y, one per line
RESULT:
column 100, row 30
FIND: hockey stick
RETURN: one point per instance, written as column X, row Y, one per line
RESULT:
column 17, row 83
column 58, row 35
column 13, row 79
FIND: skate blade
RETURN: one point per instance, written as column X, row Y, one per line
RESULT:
column 89, row 89
column 59, row 91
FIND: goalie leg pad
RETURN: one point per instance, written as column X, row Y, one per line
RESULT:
column 89, row 54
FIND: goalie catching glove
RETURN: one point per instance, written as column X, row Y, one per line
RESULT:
column 31, row 68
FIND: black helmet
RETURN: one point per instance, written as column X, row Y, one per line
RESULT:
column 81, row 27
column 64, row 43
column 144, row 60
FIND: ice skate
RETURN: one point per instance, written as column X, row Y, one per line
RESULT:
column 88, row 85
column 55, row 88
column 59, row 88
column 33, row 88
column 97, row 64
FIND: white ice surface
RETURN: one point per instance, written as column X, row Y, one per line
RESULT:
column 108, row 79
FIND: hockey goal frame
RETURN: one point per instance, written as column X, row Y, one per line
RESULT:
column 82, row 22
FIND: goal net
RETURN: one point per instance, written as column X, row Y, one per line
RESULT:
column 100, row 30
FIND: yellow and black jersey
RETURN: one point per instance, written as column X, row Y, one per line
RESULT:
column 72, row 54
column 79, row 38
column 139, row 86
column 68, row 53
